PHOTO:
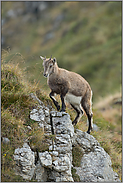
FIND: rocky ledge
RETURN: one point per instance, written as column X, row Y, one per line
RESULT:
column 55, row 164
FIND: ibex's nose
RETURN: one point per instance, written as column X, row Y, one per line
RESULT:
column 45, row 75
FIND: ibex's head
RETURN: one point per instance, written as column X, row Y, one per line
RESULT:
column 48, row 65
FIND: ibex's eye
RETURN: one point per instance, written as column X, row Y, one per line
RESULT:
column 51, row 66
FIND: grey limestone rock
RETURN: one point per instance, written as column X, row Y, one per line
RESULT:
column 54, row 165
column 63, row 130
column 40, row 173
column 46, row 159
column 25, row 161
column 95, row 162
column 37, row 114
column 86, row 141
column 5, row 140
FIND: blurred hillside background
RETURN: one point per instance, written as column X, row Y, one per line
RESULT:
column 85, row 37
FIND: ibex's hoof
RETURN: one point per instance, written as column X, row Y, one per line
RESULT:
column 88, row 132
column 74, row 123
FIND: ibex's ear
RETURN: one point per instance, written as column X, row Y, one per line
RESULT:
column 54, row 60
column 42, row 57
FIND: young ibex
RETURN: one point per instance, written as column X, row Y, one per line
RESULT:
column 71, row 87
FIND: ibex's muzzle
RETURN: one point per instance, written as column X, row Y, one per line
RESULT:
column 45, row 75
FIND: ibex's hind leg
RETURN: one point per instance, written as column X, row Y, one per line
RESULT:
column 54, row 100
column 87, row 106
column 90, row 119
column 79, row 114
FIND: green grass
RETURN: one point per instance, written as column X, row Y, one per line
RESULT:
column 75, row 176
column 14, row 130
column 77, row 155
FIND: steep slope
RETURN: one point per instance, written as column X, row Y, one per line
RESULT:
column 18, row 127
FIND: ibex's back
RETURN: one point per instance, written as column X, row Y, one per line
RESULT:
column 77, row 84
column 71, row 86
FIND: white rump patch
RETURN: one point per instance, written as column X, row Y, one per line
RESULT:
column 72, row 99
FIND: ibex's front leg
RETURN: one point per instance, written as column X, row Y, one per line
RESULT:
column 63, row 104
column 63, row 94
column 54, row 100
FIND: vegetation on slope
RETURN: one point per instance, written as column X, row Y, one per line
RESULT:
column 15, row 109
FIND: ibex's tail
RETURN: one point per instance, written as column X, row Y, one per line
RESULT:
column 87, row 106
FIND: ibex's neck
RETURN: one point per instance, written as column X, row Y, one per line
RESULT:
column 56, row 69
column 54, row 75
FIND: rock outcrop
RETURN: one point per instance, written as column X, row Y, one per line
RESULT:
column 55, row 164
column 95, row 162
column 25, row 161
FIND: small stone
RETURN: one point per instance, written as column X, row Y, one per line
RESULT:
column 95, row 127
column 37, row 114
column 54, row 153
column 41, row 125
column 46, row 112
column 46, row 159
column 29, row 127
column 5, row 140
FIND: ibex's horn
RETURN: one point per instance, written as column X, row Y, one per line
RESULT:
column 50, row 57
column 45, row 57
